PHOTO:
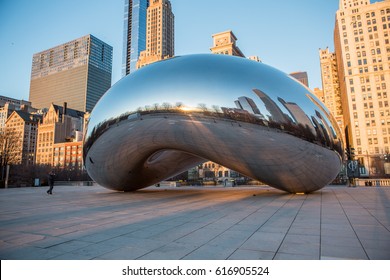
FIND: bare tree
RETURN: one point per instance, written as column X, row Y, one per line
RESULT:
column 178, row 105
column 11, row 147
column 203, row 107
column 11, row 143
column 166, row 106
column 216, row 109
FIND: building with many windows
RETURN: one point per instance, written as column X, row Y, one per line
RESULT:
column 60, row 124
column 331, row 95
column 68, row 154
column 8, row 105
column 134, row 35
column 77, row 72
column 16, row 102
column 160, row 33
column 20, row 138
column 362, row 51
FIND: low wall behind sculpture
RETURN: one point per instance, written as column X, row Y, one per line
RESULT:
column 373, row 182
column 75, row 183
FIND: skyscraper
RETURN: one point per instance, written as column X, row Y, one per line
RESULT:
column 77, row 72
column 160, row 33
column 363, row 56
column 134, row 35
column 331, row 88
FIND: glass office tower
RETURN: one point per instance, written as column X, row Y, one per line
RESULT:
column 77, row 72
column 134, row 35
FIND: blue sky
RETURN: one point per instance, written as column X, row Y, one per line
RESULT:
column 285, row 34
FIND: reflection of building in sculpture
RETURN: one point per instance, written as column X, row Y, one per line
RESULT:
column 160, row 33
column 276, row 115
column 247, row 104
column 225, row 43
column 301, row 77
column 362, row 47
column 297, row 114
column 331, row 87
column 20, row 137
column 77, row 72
column 134, row 34
column 59, row 124
column 329, row 131
column 324, row 125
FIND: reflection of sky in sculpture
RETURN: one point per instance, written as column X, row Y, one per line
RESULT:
column 201, row 85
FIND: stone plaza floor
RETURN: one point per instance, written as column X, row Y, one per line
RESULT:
column 194, row 223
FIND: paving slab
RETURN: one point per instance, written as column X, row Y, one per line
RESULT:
column 246, row 222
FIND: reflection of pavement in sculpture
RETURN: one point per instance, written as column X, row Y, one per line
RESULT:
column 172, row 115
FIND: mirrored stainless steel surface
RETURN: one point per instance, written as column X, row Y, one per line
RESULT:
column 175, row 114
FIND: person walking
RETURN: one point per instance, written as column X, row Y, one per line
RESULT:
column 51, row 182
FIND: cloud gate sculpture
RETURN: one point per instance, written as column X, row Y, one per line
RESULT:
column 175, row 114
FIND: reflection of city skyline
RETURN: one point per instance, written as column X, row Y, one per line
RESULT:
column 297, row 114
column 277, row 114
column 246, row 103
column 316, row 123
